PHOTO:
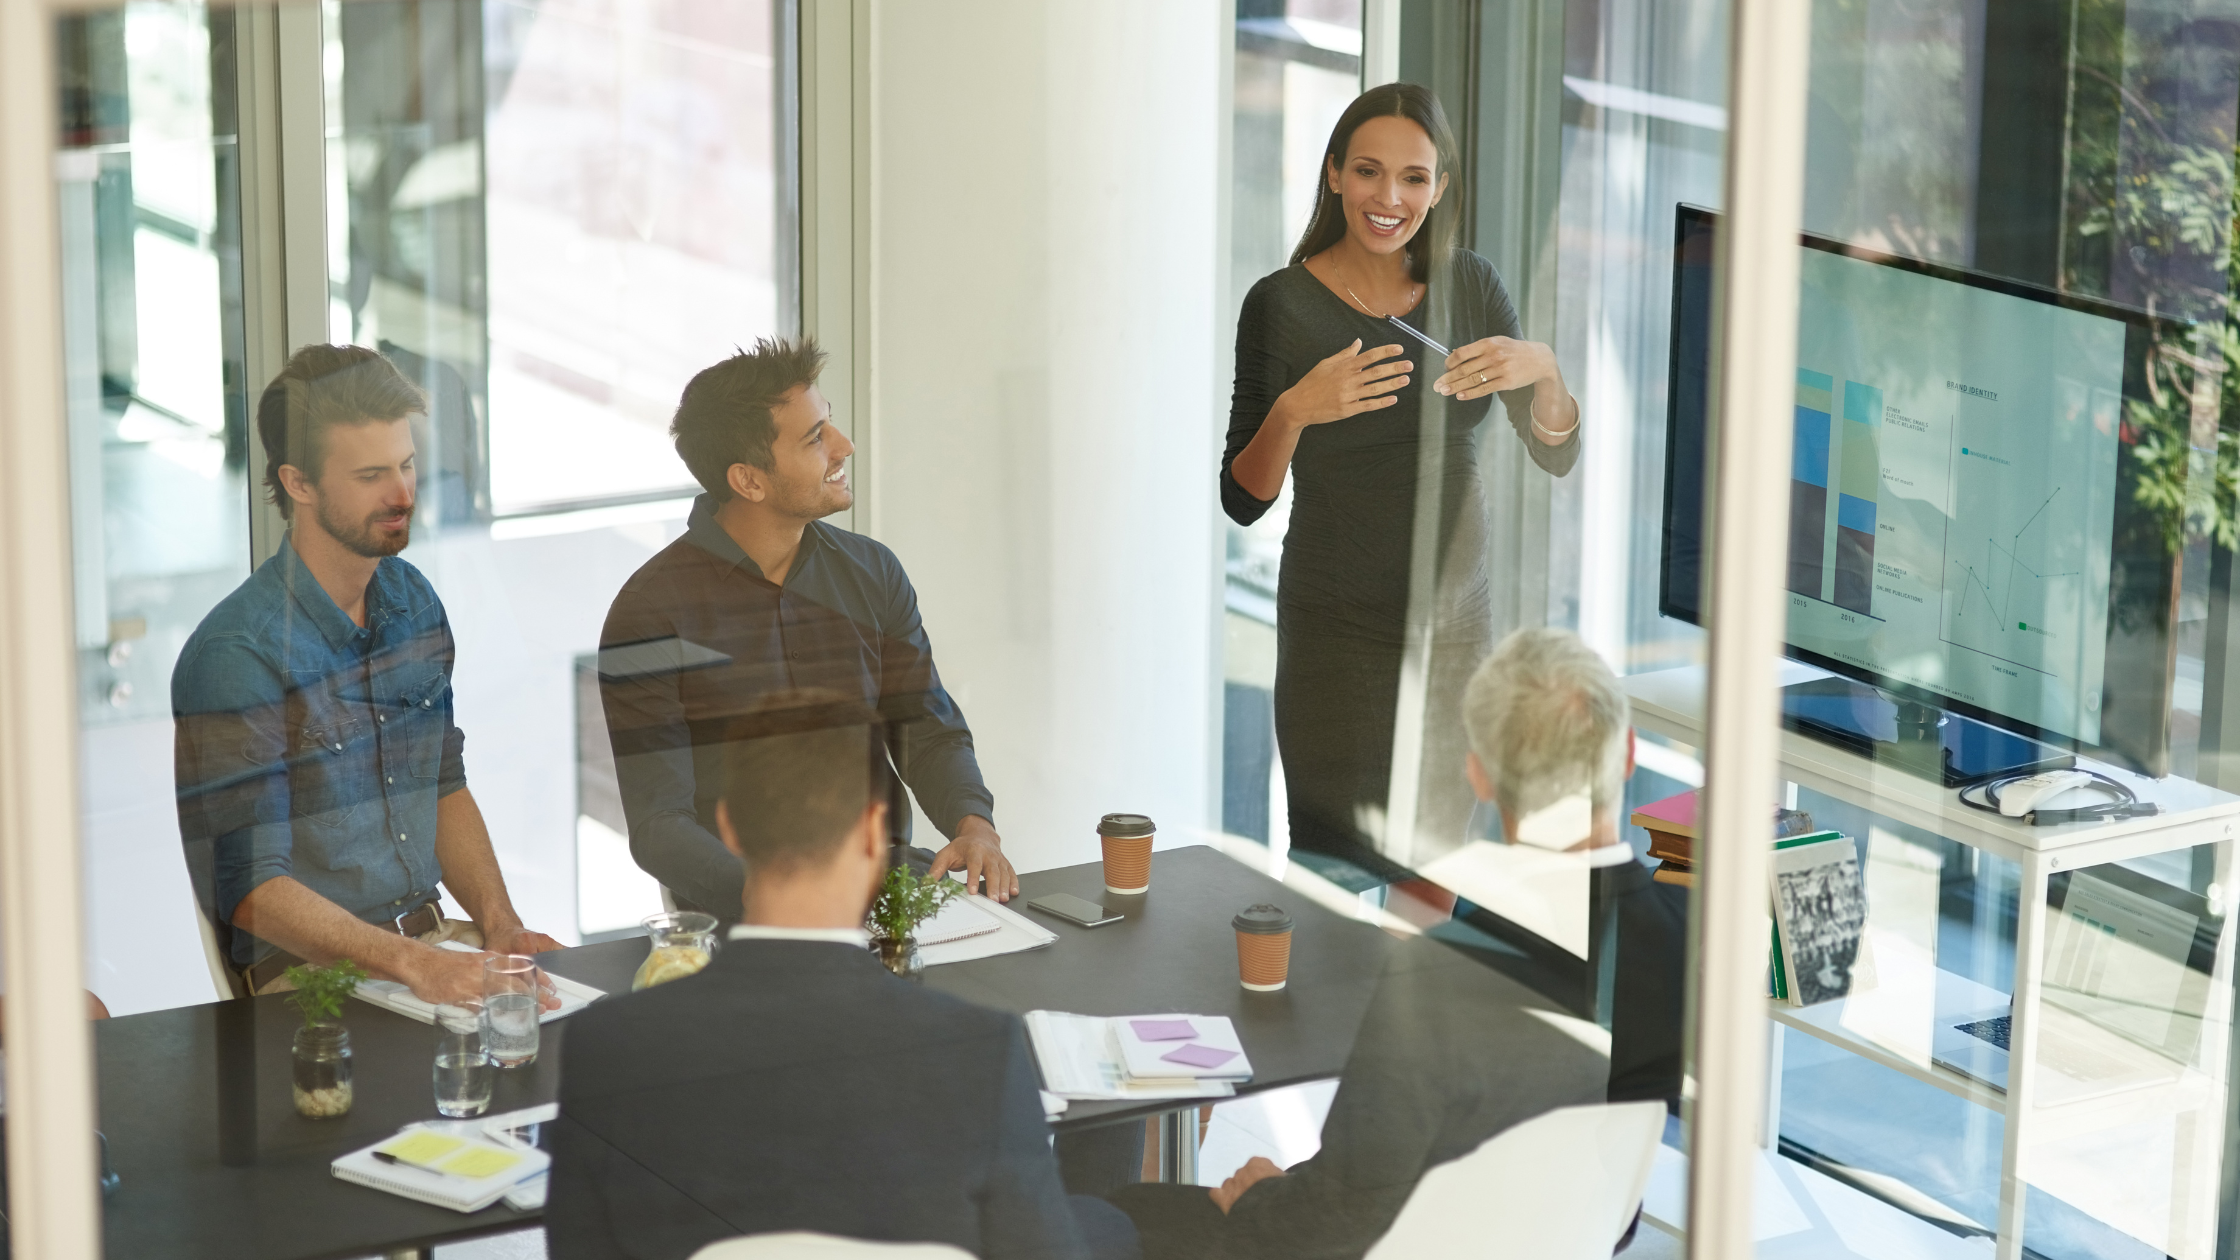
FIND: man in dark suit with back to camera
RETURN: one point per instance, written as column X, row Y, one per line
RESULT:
column 794, row 1084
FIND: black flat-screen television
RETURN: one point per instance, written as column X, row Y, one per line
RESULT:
column 1967, row 528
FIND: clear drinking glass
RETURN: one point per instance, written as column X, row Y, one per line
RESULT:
column 464, row 1074
column 512, row 985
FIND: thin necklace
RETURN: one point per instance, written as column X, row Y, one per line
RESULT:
column 1412, row 291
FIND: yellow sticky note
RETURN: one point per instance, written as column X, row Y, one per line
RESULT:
column 422, row 1148
column 480, row 1161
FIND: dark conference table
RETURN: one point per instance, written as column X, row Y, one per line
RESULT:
column 213, row 1160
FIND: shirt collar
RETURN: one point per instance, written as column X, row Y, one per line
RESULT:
column 837, row 936
column 707, row 533
column 319, row 607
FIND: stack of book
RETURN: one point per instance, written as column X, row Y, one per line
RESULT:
column 1671, row 824
column 1137, row 1057
column 1819, row 950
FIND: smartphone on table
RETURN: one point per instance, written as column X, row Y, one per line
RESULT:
column 1075, row 909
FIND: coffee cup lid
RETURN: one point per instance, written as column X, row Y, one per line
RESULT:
column 1262, row 920
column 1125, row 826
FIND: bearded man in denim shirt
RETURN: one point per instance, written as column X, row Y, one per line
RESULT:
column 322, row 793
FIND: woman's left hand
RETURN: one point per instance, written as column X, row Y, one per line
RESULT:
column 1495, row 364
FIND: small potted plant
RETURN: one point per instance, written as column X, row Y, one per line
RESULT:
column 904, row 902
column 322, row 1045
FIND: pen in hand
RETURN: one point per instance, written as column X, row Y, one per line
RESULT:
column 1419, row 335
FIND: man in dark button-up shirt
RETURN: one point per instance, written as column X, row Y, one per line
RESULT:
column 759, row 596
column 321, row 784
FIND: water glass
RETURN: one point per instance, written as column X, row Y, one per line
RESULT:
column 512, row 985
column 464, row 1074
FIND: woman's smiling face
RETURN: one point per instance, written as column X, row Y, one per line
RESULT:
column 1389, row 182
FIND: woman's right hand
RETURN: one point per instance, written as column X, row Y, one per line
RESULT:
column 1346, row 384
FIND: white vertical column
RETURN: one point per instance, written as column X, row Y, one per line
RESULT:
column 1380, row 42
column 1047, row 427
column 1754, row 383
column 278, row 51
column 2022, row 1051
column 53, row 1205
column 836, row 155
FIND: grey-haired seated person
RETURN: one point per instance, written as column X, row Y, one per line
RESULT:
column 794, row 1083
column 1450, row 1052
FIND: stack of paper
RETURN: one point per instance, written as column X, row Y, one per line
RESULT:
column 392, row 996
column 1088, row 1057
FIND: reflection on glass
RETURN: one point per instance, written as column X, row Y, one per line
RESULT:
column 160, row 524
column 555, row 214
column 1297, row 67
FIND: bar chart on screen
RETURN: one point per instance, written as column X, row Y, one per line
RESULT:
column 1835, row 489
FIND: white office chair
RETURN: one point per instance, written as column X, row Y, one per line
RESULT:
column 223, row 977
column 800, row 1245
column 1561, row 1186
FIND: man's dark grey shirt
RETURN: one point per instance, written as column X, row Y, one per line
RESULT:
column 698, row 635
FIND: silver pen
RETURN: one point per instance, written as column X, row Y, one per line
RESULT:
column 1410, row 329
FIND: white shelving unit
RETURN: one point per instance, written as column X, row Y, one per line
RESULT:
column 1892, row 1024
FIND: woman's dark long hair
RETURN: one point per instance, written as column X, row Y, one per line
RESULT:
column 1427, row 249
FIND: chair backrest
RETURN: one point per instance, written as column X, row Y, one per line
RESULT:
column 801, row 1245
column 217, row 938
column 1561, row 1186
column 222, row 975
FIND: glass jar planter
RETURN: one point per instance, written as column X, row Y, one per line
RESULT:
column 322, row 1071
column 900, row 957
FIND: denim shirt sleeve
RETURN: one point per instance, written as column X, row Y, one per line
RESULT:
column 229, row 748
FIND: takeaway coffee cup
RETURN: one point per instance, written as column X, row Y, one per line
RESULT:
column 1263, row 947
column 1127, row 852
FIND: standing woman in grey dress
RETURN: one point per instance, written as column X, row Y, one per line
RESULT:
column 1331, row 392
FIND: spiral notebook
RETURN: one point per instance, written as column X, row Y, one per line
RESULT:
column 454, row 1168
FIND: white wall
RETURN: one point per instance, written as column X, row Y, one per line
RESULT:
column 1042, row 445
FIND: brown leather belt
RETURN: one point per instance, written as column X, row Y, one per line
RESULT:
column 427, row 918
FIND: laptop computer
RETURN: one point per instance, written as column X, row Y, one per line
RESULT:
column 2125, row 989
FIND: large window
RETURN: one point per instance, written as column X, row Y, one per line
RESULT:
column 559, row 211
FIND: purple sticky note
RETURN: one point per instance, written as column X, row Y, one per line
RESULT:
column 1197, row 1056
column 1163, row 1029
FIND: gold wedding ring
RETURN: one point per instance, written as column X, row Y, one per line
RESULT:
column 1481, row 378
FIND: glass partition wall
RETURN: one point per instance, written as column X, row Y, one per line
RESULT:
column 1981, row 528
